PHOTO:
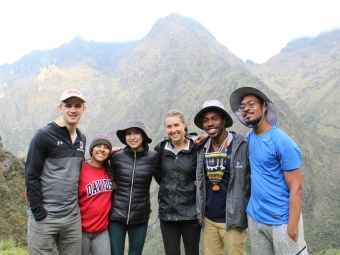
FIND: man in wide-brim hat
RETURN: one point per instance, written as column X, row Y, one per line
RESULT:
column 223, row 182
column 274, row 210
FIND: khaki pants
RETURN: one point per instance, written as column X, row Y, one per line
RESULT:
column 215, row 237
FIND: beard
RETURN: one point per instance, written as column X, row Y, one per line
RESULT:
column 254, row 122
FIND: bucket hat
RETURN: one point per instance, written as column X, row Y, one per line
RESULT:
column 235, row 101
column 132, row 124
column 212, row 105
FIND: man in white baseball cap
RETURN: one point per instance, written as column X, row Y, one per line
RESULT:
column 71, row 93
column 275, row 222
column 53, row 162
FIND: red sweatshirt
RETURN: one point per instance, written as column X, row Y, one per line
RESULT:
column 95, row 190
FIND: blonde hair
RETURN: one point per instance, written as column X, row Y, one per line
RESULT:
column 180, row 115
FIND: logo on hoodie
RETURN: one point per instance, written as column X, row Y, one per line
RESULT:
column 81, row 146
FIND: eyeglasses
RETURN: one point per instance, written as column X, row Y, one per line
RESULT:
column 249, row 104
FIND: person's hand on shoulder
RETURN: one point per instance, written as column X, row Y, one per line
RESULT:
column 200, row 138
column 115, row 149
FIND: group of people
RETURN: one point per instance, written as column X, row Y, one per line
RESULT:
column 220, row 184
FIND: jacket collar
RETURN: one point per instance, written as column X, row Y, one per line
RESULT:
column 138, row 153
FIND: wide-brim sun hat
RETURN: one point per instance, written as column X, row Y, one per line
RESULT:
column 212, row 105
column 235, row 101
column 132, row 124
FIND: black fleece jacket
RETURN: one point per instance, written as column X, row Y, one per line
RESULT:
column 177, row 191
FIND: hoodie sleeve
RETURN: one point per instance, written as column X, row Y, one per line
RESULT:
column 34, row 166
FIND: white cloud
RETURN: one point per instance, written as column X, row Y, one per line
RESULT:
column 255, row 30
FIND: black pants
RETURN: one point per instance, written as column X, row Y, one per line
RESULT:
column 172, row 231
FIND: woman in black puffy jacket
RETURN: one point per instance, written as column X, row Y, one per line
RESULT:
column 177, row 191
column 133, row 169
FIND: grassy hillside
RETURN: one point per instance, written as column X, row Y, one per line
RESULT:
column 306, row 75
column 9, row 247
column 12, row 202
column 178, row 65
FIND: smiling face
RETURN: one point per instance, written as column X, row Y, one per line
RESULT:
column 252, row 116
column 134, row 139
column 213, row 124
column 175, row 128
column 71, row 110
column 100, row 153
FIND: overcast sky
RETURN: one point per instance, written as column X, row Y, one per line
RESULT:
column 251, row 29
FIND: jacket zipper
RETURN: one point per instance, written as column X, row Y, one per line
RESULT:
column 232, row 173
column 204, row 192
column 132, row 180
column 171, row 206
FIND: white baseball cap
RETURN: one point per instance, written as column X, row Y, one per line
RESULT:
column 71, row 93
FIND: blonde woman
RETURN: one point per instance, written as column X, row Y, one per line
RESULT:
column 177, row 191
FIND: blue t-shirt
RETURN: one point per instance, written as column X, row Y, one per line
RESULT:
column 271, row 153
column 215, row 205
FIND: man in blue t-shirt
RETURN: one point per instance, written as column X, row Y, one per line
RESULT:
column 274, row 209
column 223, row 182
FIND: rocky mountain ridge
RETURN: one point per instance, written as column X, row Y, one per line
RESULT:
column 306, row 75
column 177, row 65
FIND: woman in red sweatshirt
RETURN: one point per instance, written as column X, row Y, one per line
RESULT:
column 95, row 190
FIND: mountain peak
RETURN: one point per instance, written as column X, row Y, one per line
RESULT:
column 176, row 23
column 77, row 42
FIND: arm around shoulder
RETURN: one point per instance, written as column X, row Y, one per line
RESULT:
column 158, row 169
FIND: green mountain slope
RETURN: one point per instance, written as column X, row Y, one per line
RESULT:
column 12, row 202
column 178, row 65
column 306, row 75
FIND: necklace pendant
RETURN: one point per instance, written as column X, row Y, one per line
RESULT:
column 216, row 187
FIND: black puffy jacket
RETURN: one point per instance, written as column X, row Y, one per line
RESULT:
column 133, row 173
column 177, row 191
